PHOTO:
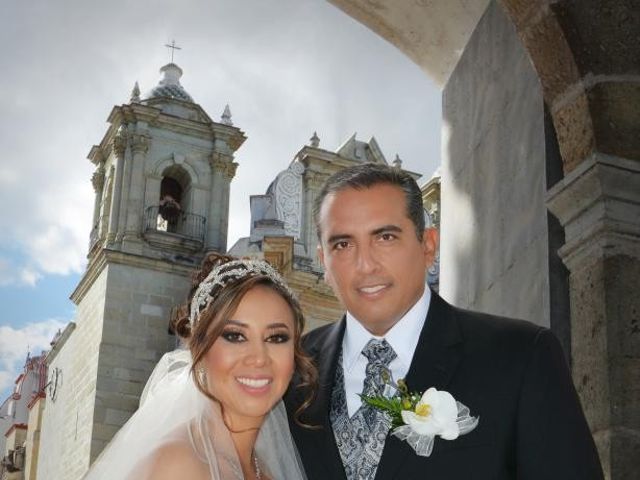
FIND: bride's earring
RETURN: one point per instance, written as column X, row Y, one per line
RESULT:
column 202, row 375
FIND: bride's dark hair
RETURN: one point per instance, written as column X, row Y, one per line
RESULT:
column 224, row 301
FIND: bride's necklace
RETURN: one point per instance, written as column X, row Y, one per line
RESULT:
column 257, row 467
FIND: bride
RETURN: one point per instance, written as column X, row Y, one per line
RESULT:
column 214, row 411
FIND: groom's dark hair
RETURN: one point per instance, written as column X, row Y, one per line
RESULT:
column 367, row 175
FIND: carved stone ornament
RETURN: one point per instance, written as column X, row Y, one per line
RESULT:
column 219, row 161
column 218, row 164
column 97, row 179
column 230, row 170
column 316, row 180
column 120, row 141
column 140, row 143
column 288, row 198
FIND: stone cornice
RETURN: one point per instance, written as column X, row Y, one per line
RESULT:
column 133, row 113
column 96, row 155
column 598, row 204
column 94, row 269
column 107, row 256
column 55, row 349
column 603, row 240
column 317, row 156
column 233, row 136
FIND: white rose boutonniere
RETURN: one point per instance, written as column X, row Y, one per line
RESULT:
column 419, row 419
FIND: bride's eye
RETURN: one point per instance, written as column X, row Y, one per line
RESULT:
column 233, row 336
column 279, row 338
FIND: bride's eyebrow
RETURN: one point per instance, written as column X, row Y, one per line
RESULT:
column 278, row 325
column 271, row 326
column 236, row 323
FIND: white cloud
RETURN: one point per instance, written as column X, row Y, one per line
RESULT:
column 15, row 342
column 29, row 276
column 14, row 274
column 287, row 68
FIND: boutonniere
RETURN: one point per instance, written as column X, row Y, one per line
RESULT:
column 420, row 418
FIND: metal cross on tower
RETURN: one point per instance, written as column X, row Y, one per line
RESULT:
column 173, row 48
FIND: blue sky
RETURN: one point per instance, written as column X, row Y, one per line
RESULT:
column 286, row 67
column 21, row 306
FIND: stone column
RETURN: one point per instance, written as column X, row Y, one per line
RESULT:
column 124, row 194
column 119, row 146
column 223, row 169
column 135, row 202
column 598, row 204
column 213, row 212
column 97, row 180
column 227, row 176
column 313, row 184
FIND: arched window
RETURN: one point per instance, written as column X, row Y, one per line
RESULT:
column 173, row 201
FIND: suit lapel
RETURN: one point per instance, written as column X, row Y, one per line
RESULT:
column 433, row 364
column 326, row 354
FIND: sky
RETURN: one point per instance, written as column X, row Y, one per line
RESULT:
column 286, row 68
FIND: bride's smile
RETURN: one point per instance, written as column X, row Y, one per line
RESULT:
column 254, row 383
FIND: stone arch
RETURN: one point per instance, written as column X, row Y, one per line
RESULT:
column 164, row 163
column 588, row 70
column 174, row 197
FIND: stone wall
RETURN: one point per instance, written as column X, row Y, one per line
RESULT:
column 138, row 303
column 597, row 203
column 494, row 238
column 67, row 421
column 32, row 442
column 122, row 331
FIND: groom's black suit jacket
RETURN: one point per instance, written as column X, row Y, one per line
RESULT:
column 512, row 374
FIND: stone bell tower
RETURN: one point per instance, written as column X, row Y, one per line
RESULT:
column 163, row 171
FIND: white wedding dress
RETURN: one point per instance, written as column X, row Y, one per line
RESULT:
column 173, row 411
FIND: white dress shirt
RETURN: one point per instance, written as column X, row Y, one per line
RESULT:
column 403, row 338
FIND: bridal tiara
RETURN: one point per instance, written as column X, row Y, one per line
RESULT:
column 233, row 270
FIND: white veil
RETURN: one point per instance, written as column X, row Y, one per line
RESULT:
column 172, row 409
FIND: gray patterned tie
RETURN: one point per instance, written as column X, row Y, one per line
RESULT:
column 380, row 355
column 361, row 438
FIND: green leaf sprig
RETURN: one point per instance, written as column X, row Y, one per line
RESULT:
column 401, row 399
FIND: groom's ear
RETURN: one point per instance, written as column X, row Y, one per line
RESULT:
column 320, row 253
column 430, row 239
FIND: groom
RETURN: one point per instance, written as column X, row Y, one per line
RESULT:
column 511, row 374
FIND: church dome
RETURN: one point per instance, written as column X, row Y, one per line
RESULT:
column 169, row 85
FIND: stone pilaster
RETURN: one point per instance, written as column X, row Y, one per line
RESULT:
column 598, row 204
column 127, row 162
column 119, row 147
column 223, row 170
column 227, row 176
column 313, row 184
column 135, row 202
column 97, row 180
column 213, row 215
